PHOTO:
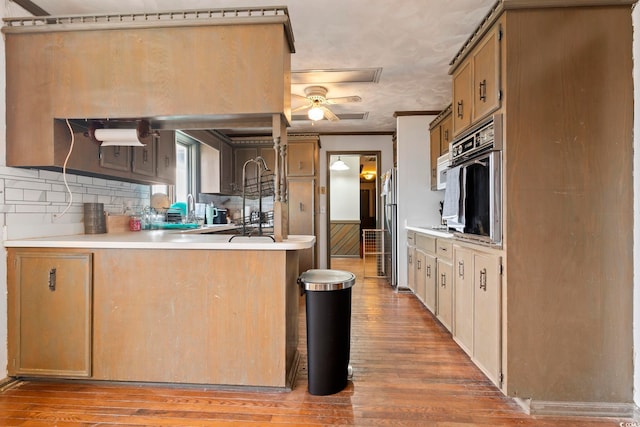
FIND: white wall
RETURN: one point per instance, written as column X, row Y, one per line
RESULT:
column 346, row 143
column 345, row 190
column 636, row 204
column 417, row 204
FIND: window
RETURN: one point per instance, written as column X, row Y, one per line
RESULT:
column 186, row 166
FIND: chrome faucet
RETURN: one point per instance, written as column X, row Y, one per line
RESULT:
column 191, row 208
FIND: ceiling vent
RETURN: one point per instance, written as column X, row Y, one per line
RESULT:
column 348, row 75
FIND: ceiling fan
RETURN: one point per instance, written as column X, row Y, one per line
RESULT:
column 317, row 101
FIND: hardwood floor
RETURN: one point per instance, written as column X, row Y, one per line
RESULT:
column 407, row 372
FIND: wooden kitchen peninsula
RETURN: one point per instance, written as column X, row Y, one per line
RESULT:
column 156, row 306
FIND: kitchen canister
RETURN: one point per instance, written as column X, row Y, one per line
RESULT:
column 94, row 220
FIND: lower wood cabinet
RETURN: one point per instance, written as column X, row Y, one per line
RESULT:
column 411, row 262
column 50, row 313
column 444, row 312
column 477, row 308
column 420, row 274
column 430, row 282
column 487, row 343
column 463, row 300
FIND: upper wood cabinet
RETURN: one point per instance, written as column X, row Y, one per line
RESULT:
column 301, row 158
column 166, row 157
column 440, row 135
column 116, row 158
column 476, row 83
column 462, row 97
column 50, row 313
column 144, row 159
column 194, row 75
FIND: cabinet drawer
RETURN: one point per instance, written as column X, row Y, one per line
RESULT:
column 426, row 243
column 411, row 238
column 444, row 249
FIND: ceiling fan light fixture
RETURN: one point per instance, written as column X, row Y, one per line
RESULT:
column 339, row 165
column 316, row 114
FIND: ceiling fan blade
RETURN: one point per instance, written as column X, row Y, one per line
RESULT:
column 329, row 114
column 300, row 108
column 343, row 99
column 295, row 95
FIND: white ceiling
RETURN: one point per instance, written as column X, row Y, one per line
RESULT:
column 412, row 41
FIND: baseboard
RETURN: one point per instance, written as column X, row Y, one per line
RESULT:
column 581, row 409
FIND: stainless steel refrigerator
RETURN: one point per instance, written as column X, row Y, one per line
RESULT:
column 390, row 225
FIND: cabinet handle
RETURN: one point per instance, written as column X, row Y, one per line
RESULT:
column 166, row 161
column 419, row 266
column 461, row 269
column 116, row 151
column 460, row 110
column 429, row 271
column 52, row 279
column 443, row 280
column 410, row 260
column 300, row 165
column 145, row 156
column 483, row 90
column 446, row 135
column 301, row 207
column 483, row 279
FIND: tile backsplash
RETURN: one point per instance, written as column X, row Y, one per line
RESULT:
column 32, row 201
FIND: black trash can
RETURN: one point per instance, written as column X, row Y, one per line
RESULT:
column 328, row 328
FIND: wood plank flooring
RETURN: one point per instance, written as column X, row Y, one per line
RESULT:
column 407, row 372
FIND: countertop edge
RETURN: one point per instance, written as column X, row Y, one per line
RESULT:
column 430, row 231
column 161, row 240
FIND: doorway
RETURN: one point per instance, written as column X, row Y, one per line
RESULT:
column 352, row 200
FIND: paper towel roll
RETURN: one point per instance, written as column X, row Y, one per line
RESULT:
column 108, row 137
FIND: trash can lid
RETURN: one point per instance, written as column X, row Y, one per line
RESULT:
column 327, row 280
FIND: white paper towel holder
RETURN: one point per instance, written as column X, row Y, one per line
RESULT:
column 120, row 136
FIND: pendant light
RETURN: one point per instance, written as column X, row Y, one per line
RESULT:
column 339, row 165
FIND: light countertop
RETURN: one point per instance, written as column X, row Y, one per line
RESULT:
column 164, row 239
column 430, row 230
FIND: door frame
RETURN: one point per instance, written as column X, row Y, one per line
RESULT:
column 378, row 156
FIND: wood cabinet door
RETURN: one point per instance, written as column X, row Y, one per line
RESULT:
column 487, row 315
column 430, row 291
column 301, row 158
column 434, row 153
column 486, row 77
column 166, row 157
column 144, row 159
column 463, row 298
column 411, row 268
column 421, row 278
column 51, row 306
column 462, row 97
column 227, row 185
column 301, row 215
column 446, row 134
column 445, row 294
column 116, row 158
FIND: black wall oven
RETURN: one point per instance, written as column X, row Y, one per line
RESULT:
column 477, row 159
